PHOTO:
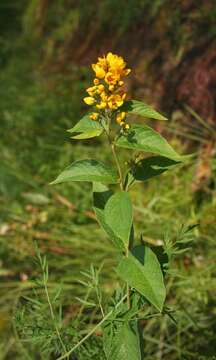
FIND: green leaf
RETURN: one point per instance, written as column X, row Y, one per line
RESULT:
column 150, row 167
column 119, row 215
column 144, row 138
column 140, row 108
column 101, row 194
column 142, row 271
column 86, row 128
column 87, row 170
column 122, row 341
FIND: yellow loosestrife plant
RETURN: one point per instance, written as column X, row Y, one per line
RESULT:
column 138, row 267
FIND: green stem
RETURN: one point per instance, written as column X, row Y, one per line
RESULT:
column 127, row 285
column 92, row 331
column 83, row 306
column 122, row 188
column 118, row 166
column 112, row 145
column 44, row 269
column 99, row 301
column 53, row 317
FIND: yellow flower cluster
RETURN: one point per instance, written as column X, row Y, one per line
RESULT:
column 107, row 92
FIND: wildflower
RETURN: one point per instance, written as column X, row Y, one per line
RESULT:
column 117, row 65
column 102, row 105
column 104, row 96
column 115, row 62
column 126, row 126
column 99, row 71
column 106, row 93
column 112, row 68
column 100, row 88
column 120, row 117
column 102, row 61
column 89, row 100
column 115, row 101
column 111, row 88
column 94, row 116
column 111, row 78
column 96, row 81
column 91, row 90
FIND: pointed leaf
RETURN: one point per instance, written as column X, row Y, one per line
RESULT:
column 151, row 167
column 101, row 194
column 86, row 128
column 122, row 341
column 119, row 215
column 140, row 108
column 144, row 138
column 87, row 170
column 142, row 271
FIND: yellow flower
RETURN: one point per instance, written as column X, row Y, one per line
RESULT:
column 111, row 78
column 124, row 125
column 102, row 61
column 120, row 117
column 100, row 68
column 89, row 100
column 99, row 71
column 104, row 96
column 101, row 105
column 107, row 95
column 91, row 90
column 94, row 116
column 111, row 87
column 117, row 65
column 96, row 82
column 115, row 101
column 115, row 61
column 100, row 88
column 97, row 89
column 111, row 68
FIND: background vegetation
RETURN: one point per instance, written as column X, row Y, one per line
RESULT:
column 45, row 51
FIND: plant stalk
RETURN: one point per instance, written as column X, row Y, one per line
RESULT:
column 92, row 331
column 118, row 166
column 53, row 318
column 122, row 188
column 127, row 285
column 44, row 268
column 112, row 145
